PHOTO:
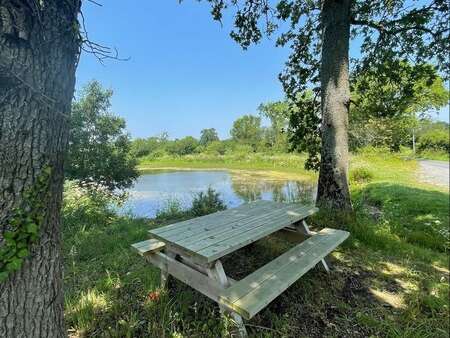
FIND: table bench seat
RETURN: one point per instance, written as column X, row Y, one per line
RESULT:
column 251, row 294
column 149, row 246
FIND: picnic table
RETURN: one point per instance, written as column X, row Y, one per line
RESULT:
column 191, row 251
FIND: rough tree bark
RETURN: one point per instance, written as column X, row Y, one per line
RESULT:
column 39, row 48
column 333, row 191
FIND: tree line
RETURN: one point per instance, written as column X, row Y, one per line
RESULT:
column 388, row 115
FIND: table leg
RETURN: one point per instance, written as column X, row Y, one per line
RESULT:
column 217, row 272
column 304, row 229
column 165, row 273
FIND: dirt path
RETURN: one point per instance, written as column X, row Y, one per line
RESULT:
column 435, row 172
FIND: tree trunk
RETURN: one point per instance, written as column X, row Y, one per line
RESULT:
column 333, row 191
column 39, row 48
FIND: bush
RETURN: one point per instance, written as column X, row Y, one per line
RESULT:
column 205, row 203
column 171, row 210
column 85, row 204
column 216, row 148
column 361, row 175
column 437, row 139
column 184, row 146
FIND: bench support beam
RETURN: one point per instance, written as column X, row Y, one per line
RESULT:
column 217, row 273
column 304, row 229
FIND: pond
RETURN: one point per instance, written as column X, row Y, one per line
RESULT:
column 154, row 190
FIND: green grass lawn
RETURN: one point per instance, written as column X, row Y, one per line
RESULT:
column 390, row 279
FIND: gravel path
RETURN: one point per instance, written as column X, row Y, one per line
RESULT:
column 435, row 172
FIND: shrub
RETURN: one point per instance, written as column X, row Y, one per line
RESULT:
column 85, row 204
column 206, row 203
column 184, row 146
column 434, row 140
column 171, row 210
column 361, row 175
column 216, row 147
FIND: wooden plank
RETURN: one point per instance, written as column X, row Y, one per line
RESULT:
column 217, row 220
column 211, row 218
column 216, row 224
column 242, row 239
column 271, row 220
column 262, row 218
column 187, row 275
column 293, row 254
column 148, row 246
column 253, row 293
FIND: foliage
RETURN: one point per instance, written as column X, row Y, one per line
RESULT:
column 435, row 140
column 278, row 113
column 216, row 147
column 385, row 108
column 386, row 31
column 247, row 130
column 304, row 127
column 24, row 225
column 184, row 146
column 171, row 210
column 361, row 175
column 402, row 90
column 145, row 146
column 208, row 136
column 87, row 203
column 99, row 148
column 391, row 132
column 205, row 203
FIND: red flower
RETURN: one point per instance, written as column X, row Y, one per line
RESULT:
column 153, row 296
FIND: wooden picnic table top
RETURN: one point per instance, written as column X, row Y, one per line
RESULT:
column 208, row 238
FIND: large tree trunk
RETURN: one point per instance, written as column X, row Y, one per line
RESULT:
column 39, row 48
column 333, row 191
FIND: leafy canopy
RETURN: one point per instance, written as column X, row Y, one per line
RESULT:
column 184, row 146
column 386, row 109
column 99, row 147
column 208, row 136
column 385, row 30
column 247, row 130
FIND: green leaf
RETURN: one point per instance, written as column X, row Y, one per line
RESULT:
column 14, row 265
column 32, row 228
column 22, row 253
column 3, row 276
column 9, row 235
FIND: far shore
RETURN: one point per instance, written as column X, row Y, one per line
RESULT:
column 275, row 175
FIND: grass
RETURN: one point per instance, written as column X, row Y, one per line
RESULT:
column 390, row 278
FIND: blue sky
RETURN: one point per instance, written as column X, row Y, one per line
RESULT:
column 184, row 72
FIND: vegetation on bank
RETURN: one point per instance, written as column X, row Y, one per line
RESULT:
column 390, row 279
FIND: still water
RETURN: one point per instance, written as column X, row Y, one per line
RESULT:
column 152, row 191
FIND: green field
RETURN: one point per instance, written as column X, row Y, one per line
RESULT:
column 390, row 278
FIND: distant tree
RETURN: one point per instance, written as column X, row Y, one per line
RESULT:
column 247, row 130
column 278, row 113
column 99, row 147
column 184, row 146
column 208, row 136
column 386, row 109
column 146, row 146
column 433, row 135
column 216, row 147
column 319, row 34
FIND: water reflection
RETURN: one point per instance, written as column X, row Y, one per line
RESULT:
column 152, row 190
